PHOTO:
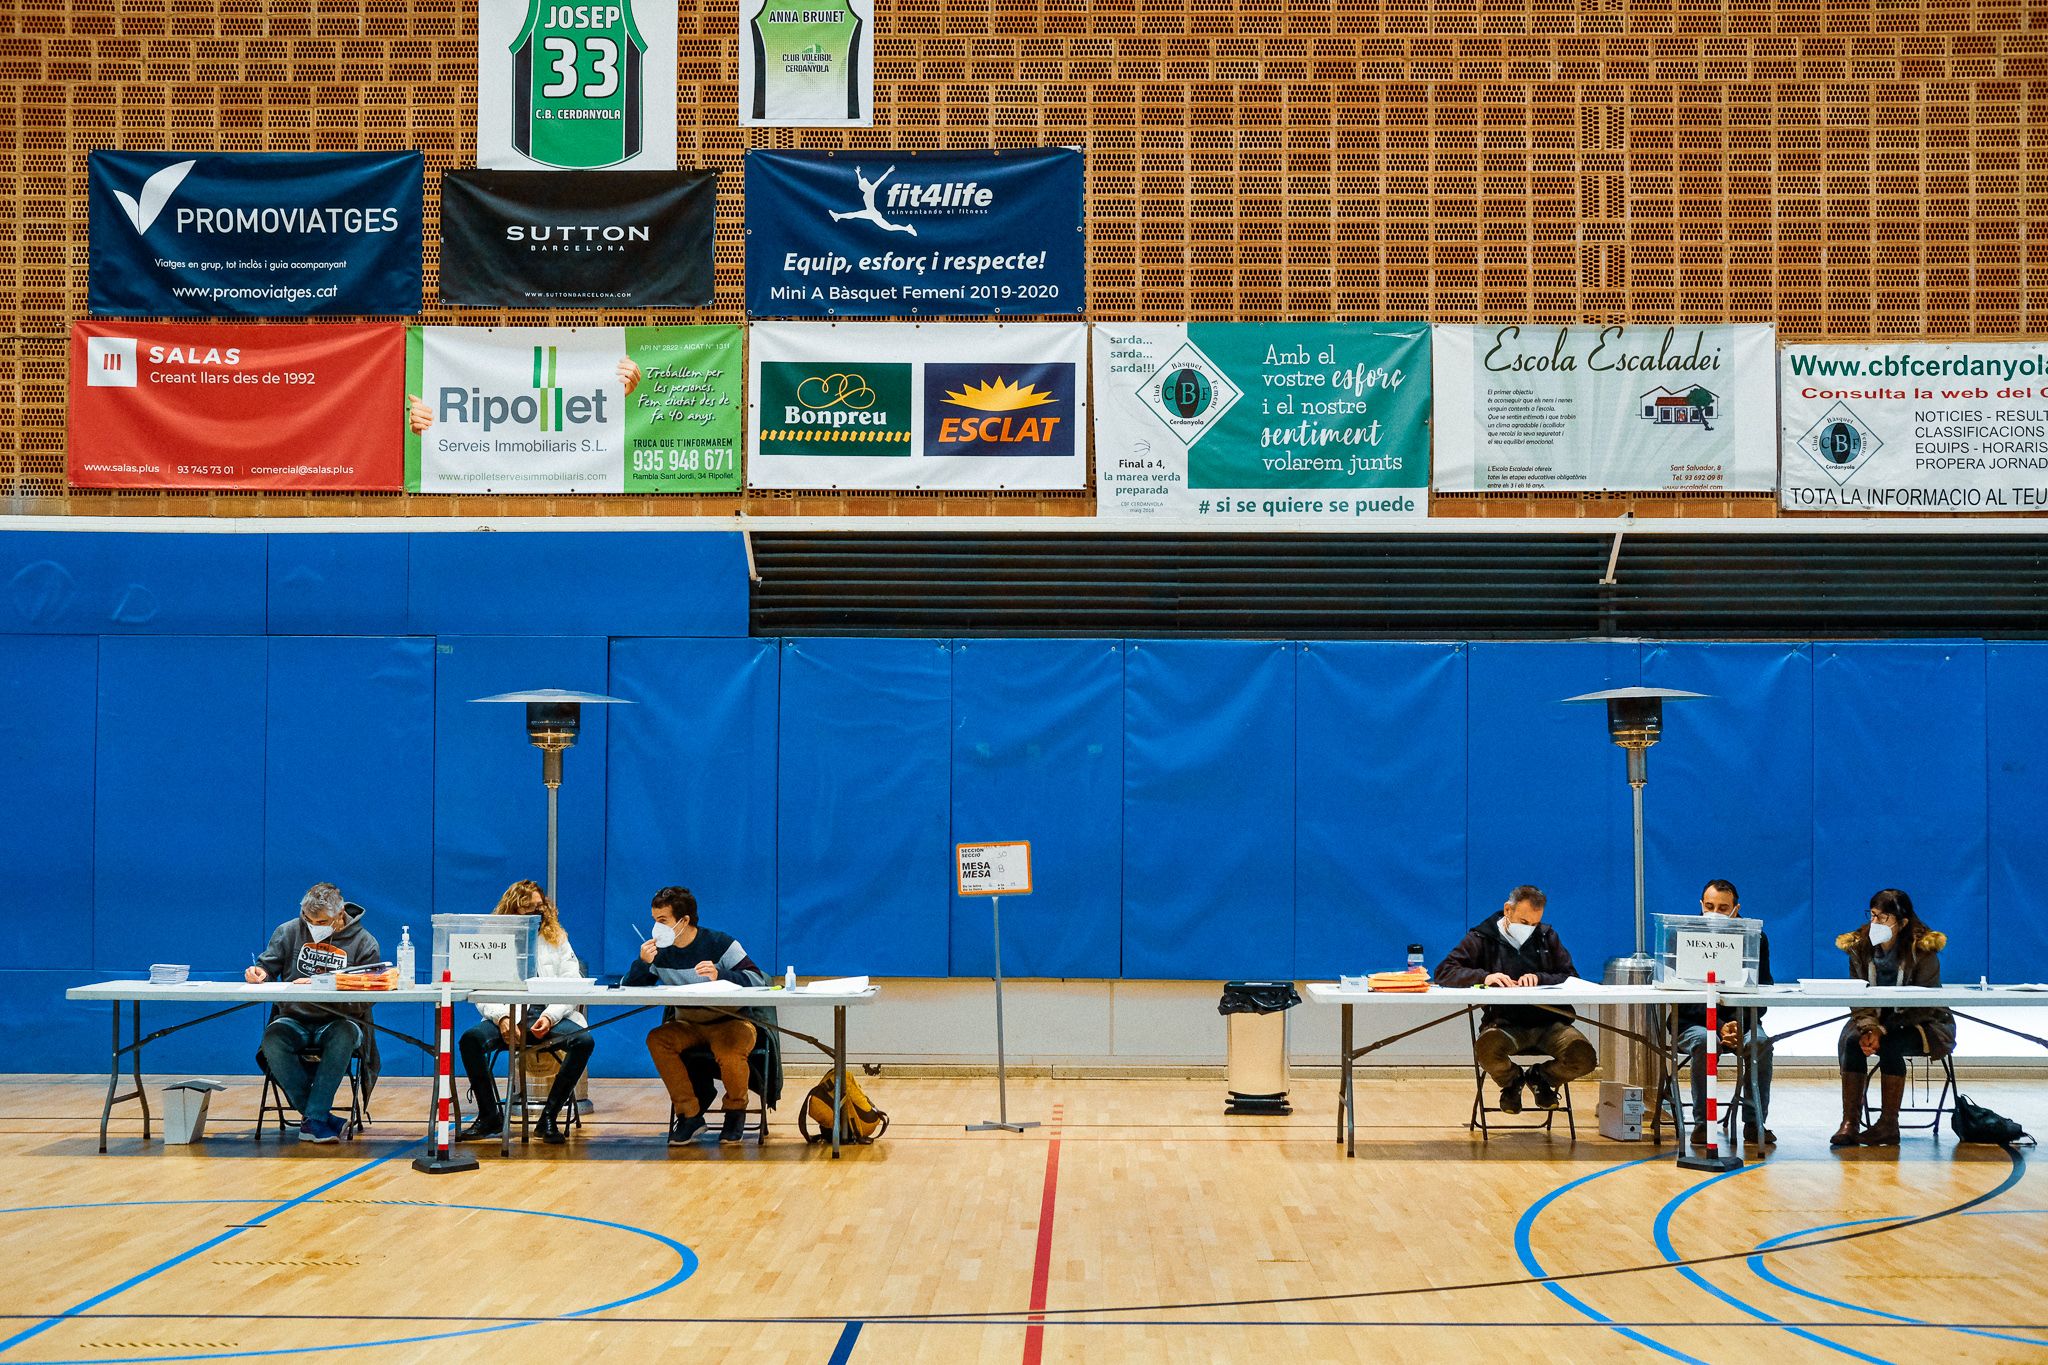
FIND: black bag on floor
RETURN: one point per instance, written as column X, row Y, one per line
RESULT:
column 1974, row 1123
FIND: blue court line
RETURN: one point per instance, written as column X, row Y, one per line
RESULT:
column 843, row 1352
column 1527, row 1223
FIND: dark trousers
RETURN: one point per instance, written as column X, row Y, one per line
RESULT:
column 1894, row 1045
column 1571, row 1056
column 482, row 1043
column 334, row 1041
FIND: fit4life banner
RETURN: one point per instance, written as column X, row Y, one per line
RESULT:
column 903, row 234
column 576, row 87
column 1585, row 409
column 605, row 239
column 572, row 410
column 1953, row 427
column 888, row 405
column 210, row 405
column 1281, row 424
column 811, row 64
column 256, row 234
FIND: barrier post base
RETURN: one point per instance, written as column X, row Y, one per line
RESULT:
column 445, row 1164
column 1709, row 1161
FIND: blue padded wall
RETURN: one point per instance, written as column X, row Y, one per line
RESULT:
column 1899, row 793
column 2016, row 744
column 863, row 879
column 1722, row 780
column 48, row 690
column 1379, row 804
column 131, row 583
column 588, row 582
column 338, row 584
column 1547, row 799
column 1038, row 752
column 1208, row 809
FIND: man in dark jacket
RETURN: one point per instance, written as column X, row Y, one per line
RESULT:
column 326, row 936
column 1719, row 898
column 1518, row 949
column 683, row 954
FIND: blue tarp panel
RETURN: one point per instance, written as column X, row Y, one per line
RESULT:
column 864, row 877
column 581, row 582
column 1379, row 805
column 1208, row 809
column 1038, row 754
column 72, row 1037
column 178, row 811
column 1899, row 793
column 350, row 758
column 490, row 809
column 1729, row 785
column 48, row 697
column 2016, row 716
column 692, row 800
column 131, row 583
column 338, row 583
column 1547, row 793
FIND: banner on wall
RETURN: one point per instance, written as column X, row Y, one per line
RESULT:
column 1953, row 427
column 899, row 234
column 1588, row 409
column 886, row 405
column 576, row 87
column 603, row 239
column 207, row 405
column 253, row 234
column 1271, row 423
column 572, row 410
column 812, row 66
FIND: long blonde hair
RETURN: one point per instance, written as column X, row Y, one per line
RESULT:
column 526, row 898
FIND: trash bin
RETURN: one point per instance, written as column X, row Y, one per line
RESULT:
column 1629, row 1068
column 185, row 1109
column 1257, row 1072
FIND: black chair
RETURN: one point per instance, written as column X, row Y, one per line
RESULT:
column 1480, row 1108
column 273, row 1100
column 1919, row 1084
column 533, row 1103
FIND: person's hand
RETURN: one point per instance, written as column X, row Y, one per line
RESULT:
column 629, row 374
column 708, row 971
column 1498, row 979
column 302, row 981
column 1731, row 1034
column 647, row 951
column 541, row 1026
column 1528, row 979
column 255, row 976
column 418, row 415
column 505, row 1029
column 1868, row 1041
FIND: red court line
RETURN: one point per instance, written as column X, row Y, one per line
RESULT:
column 1041, row 1269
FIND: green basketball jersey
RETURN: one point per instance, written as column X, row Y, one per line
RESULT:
column 576, row 70
column 806, row 61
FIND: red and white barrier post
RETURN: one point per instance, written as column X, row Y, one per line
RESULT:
column 1713, row 1158
column 442, row 1157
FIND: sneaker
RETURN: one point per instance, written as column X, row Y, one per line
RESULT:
column 484, row 1126
column 320, row 1130
column 1544, row 1092
column 734, row 1127
column 683, row 1127
column 1511, row 1097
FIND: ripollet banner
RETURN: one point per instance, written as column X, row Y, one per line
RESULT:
column 1261, row 423
column 572, row 410
column 900, row 405
column 914, row 234
column 592, row 239
column 576, row 87
column 807, row 65
column 1946, row 428
column 254, row 234
column 1677, row 409
column 213, row 405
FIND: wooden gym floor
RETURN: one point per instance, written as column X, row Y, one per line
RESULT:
column 1139, row 1222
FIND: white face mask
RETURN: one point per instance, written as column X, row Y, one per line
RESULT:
column 664, row 935
column 1518, row 934
column 1880, row 934
column 319, row 933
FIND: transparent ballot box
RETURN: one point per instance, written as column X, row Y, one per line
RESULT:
column 485, row 950
column 1691, row 946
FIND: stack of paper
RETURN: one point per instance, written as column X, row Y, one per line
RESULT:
column 837, row 985
column 168, row 973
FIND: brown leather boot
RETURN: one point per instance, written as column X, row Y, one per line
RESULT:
column 1885, row 1132
column 1852, row 1111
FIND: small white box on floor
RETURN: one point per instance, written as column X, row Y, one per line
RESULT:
column 1621, row 1111
column 185, row 1110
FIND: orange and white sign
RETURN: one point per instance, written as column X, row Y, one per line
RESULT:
column 994, row 869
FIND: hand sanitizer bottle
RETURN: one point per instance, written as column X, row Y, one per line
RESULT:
column 789, row 978
column 405, row 962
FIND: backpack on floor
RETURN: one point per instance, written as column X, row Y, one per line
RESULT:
column 1974, row 1123
column 859, row 1120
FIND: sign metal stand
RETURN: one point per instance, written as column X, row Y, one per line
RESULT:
column 996, row 870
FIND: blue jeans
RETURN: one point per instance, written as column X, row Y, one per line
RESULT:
column 311, row 1093
column 1756, row 1103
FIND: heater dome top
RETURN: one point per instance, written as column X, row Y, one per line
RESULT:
column 557, row 694
column 1639, row 694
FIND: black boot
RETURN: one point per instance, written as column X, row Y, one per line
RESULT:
column 550, row 1128
column 489, row 1123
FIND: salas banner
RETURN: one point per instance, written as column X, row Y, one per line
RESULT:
column 1267, row 423
column 576, row 87
column 903, row 234
column 807, row 64
column 596, row 239
column 1586, row 409
column 896, row 405
column 255, row 234
column 1950, row 427
column 210, row 405
column 572, row 410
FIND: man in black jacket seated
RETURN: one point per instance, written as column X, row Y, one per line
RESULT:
column 1518, row 949
column 1718, row 898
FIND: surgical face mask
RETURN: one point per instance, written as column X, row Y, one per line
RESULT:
column 319, row 933
column 664, row 935
column 1518, row 934
column 1880, row 934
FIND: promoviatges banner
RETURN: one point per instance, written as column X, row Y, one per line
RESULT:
column 206, row 405
column 884, row 405
column 256, row 234
column 1583, row 409
column 1954, row 427
column 601, row 239
column 807, row 64
column 572, row 410
column 901, row 234
column 1291, row 424
column 576, row 87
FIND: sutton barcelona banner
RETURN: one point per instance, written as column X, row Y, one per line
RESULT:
column 253, row 234
column 290, row 406
column 897, row 405
column 572, row 410
column 909, row 234
column 1588, row 409
column 1267, row 423
column 576, row 87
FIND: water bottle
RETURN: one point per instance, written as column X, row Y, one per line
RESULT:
column 789, row 978
column 405, row 962
column 1415, row 960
